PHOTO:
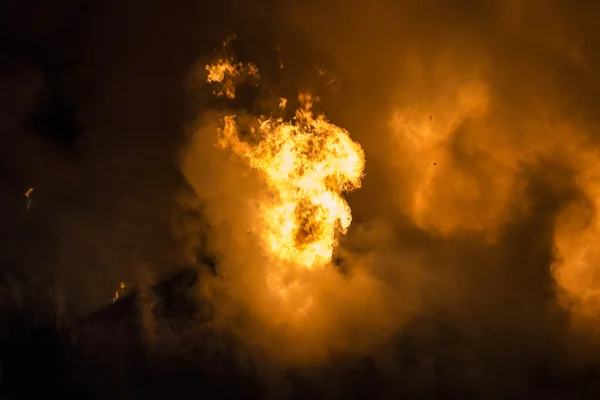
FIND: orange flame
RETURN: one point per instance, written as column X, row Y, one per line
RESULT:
column 119, row 292
column 227, row 73
column 307, row 163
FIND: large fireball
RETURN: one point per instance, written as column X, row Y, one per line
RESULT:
column 307, row 163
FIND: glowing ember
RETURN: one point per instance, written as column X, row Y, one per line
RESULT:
column 307, row 163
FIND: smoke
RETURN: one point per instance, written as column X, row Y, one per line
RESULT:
column 478, row 210
column 76, row 128
column 469, row 266
column 470, row 105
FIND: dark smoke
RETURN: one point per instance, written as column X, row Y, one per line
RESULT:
column 479, row 123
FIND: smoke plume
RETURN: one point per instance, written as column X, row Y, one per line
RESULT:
column 478, row 205
column 469, row 266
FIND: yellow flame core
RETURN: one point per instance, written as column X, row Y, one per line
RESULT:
column 307, row 163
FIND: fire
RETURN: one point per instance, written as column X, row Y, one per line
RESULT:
column 119, row 292
column 227, row 73
column 282, row 103
column 307, row 163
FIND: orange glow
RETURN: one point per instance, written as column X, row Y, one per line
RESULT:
column 577, row 232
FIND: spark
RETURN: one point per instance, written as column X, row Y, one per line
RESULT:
column 29, row 197
column 278, row 48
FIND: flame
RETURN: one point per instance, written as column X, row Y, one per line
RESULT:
column 228, row 73
column 119, row 292
column 282, row 103
column 29, row 197
column 307, row 164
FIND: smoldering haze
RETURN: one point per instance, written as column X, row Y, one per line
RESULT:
column 450, row 270
column 104, row 198
column 479, row 135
